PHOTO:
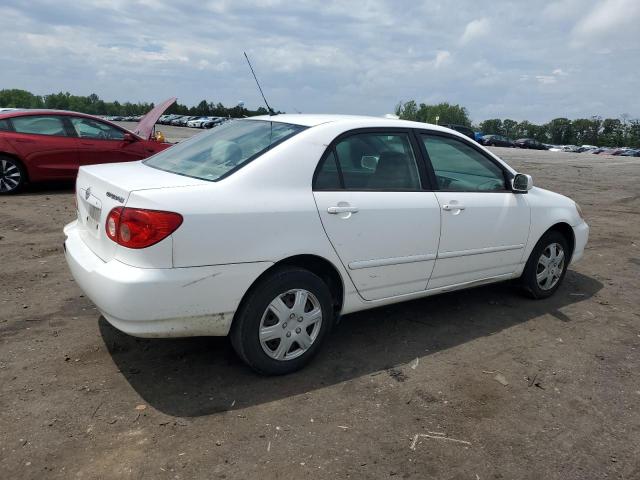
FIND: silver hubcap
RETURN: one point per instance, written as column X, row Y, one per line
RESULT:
column 290, row 324
column 9, row 175
column 550, row 266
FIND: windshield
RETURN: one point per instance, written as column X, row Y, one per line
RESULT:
column 224, row 149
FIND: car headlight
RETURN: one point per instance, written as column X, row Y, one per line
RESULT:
column 579, row 210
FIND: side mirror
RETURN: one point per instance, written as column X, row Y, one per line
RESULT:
column 369, row 162
column 129, row 137
column 521, row 183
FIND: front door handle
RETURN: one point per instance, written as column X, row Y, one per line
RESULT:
column 452, row 207
column 336, row 210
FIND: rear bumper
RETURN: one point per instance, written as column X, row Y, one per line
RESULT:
column 581, row 233
column 160, row 302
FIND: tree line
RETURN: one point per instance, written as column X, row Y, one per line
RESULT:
column 595, row 130
column 92, row 104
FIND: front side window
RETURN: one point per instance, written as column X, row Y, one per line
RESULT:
column 459, row 167
column 371, row 161
column 89, row 128
column 214, row 154
column 39, row 125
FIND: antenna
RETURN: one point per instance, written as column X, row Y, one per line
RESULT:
column 271, row 112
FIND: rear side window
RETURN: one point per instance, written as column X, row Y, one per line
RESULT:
column 39, row 125
column 4, row 126
column 459, row 167
column 370, row 161
column 215, row 154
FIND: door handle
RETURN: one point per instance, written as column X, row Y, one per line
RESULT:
column 455, row 206
column 336, row 210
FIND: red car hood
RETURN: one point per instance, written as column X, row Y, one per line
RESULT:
column 144, row 129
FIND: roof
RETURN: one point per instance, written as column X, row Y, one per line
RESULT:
column 34, row 111
column 312, row 120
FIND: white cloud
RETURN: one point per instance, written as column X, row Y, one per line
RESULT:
column 608, row 17
column 546, row 79
column 442, row 57
column 475, row 29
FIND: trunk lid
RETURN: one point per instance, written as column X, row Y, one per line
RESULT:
column 100, row 188
column 144, row 128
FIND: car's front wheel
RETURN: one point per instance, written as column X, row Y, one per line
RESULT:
column 547, row 265
column 283, row 321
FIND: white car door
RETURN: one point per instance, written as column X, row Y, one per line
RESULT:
column 381, row 220
column 485, row 226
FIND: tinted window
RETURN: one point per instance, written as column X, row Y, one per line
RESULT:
column 4, row 125
column 39, row 124
column 378, row 161
column 88, row 128
column 328, row 177
column 212, row 155
column 460, row 167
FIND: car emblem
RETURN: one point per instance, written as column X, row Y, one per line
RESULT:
column 87, row 193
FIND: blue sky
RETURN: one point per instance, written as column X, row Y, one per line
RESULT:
column 532, row 60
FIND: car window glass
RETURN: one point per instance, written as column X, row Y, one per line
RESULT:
column 328, row 177
column 39, row 124
column 378, row 161
column 460, row 167
column 215, row 154
column 4, row 125
column 88, row 128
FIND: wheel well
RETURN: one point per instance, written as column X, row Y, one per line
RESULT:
column 317, row 265
column 567, row 232
column 15, row 157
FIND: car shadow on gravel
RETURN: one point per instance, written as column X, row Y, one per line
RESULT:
column 202, row 376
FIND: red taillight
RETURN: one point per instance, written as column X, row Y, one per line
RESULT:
column 139, row 228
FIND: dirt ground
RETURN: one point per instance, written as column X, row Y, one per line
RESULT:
column 480, row 384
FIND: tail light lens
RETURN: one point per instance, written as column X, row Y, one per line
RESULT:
column 140, row 228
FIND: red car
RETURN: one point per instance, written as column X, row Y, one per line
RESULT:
column 39, row 145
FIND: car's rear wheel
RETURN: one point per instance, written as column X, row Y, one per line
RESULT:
column 283, row 321
column 547, row 265
column 12, row 175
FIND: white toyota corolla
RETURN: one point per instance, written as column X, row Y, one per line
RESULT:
column 267, row 229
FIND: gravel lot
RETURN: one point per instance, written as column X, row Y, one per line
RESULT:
column 508, row 387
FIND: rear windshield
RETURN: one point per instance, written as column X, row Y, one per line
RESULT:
column 215, row 154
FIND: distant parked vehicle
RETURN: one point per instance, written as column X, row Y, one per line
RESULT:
column 214, row 122
column 462, row 129
column 530, row 143
column 40, row 145
column 631, row 153
column 497, row 141
column 197, row 122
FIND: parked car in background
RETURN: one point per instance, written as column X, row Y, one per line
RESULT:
column 39, row 145
column 197, row 122
column 497, row 141
column 530, row 143
column 462, row 129
column 269, row 228
column 214, row 123
column 631, row 153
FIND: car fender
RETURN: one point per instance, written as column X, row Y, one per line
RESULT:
column 548, row 209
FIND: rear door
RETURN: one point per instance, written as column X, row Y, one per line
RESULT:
column 484, row 225
column 100, row 142
column 47, row 146
column 373, row 198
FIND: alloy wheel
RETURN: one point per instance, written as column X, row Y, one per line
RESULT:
column 10, row 175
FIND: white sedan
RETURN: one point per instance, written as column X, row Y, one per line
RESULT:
column 267, row 229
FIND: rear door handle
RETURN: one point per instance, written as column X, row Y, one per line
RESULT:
column 455, row 206
column 336, row 210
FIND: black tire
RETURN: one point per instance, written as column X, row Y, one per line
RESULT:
column 248, row 320
column 11, row 171
column 529, row 279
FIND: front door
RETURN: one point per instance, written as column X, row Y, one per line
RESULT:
column 382, row 223
column 100, row 142
column 485, row 226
